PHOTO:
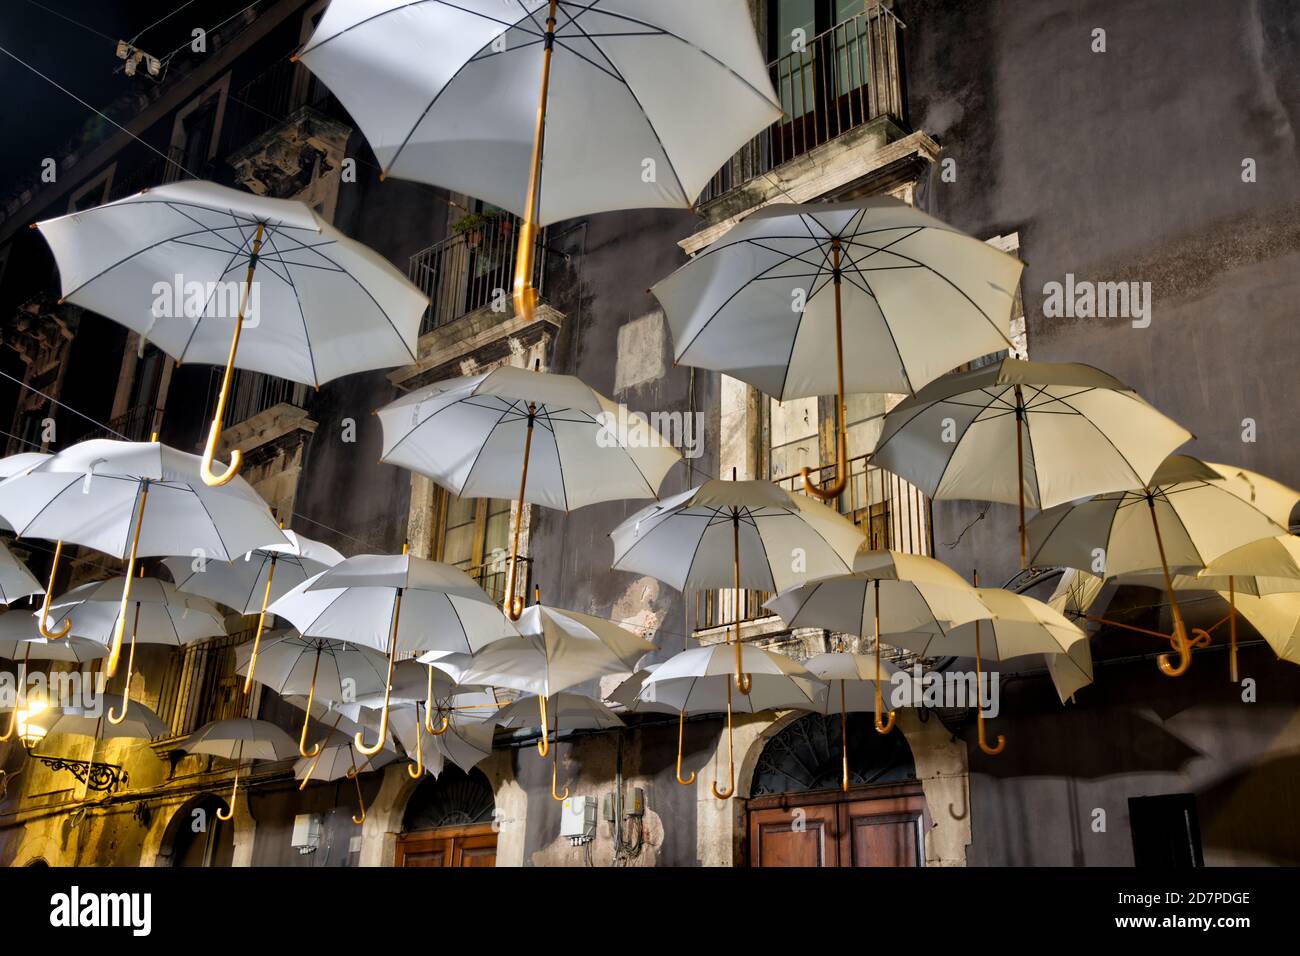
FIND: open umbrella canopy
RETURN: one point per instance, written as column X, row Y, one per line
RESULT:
column 916, row 593
column 15, row 580
column 568, row 712
column 338, row 759
column 556, row 649
column 697, row 680
column 11, row 465
column 467, row 739
column 1080, row 432
column 1020, row 625
column 628, row 694
column 92, row 494
column 329, row 670
column 19, row 642
column 242, row 584
column 241, row 738
column 355, row 601
column 473, row 435
column 1272, row 565
column 447, row 93
column 157, row 613
column 856, row 673
column 1202, row 511
column 140, row 722
column 917, row 298
column 692, row 539
column 323, row 306
column 1277, row 618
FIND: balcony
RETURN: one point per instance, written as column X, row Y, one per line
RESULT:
column 891, row 512
column 135, row 424
column 842, row 79
column 472, row 269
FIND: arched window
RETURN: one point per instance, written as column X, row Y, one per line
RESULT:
column 454, row 798
column 805, row 756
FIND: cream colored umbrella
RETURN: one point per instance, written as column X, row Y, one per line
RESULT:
column 1019, row 625
column 1032, row 434
column 1277, row 618
column 887, row 592
column 562, row 438
column 739, row 534
column 553, row 109
column 1190, row 513
column 868, row 295
column 702, row 681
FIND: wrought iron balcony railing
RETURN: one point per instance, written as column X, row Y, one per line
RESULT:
column 472, row 269
column 838, row 80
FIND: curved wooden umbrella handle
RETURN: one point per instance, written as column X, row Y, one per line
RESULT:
column 119, row 629
column 439, row 730
column 730, row 790
column 303, row 749
column 43, row 620
column 227, row 814
column 555, row 770
column 681, row 731
column 543, row 745
column 990, row 749
column 359, row 817
column 359, row 739
column 885, row 725
column 115, row 718
column 524, row 295
column 416, row 770
column 836, row 487
column 257, row 638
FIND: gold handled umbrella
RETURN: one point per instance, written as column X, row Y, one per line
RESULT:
column 1030, row 434
column 304, row 301
column 1188, row 514
column 249, row 584
column 400, row 605
column 834, row 298
column 570, row 712
column 133, row 500
column 703, row 680
column 240, row 739
column 638, row 103
column 736, row 534
column 569, row 445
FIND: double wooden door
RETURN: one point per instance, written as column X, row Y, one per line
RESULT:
column 474, row 845
column 869, row 826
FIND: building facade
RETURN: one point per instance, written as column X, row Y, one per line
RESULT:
column 1108, row 141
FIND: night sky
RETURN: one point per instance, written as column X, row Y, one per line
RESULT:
column 36, row 118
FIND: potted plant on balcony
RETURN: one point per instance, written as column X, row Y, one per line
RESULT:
column 473, row 227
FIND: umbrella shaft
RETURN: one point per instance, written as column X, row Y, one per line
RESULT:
column 525, row 296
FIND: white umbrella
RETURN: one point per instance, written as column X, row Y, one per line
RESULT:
column 464, row 735
column 98, row 493
column 20, row 643
column 313, row 303
column 917, row 594
column 1188, row 514
column 12, row 465
column 237, row 739
column 571, row 712
column 361, row 600
column 741, row 534
column 474, row 434
column 766, row 301
column 639, row 102
column 336, row 758
column 15, row 580
column 335, row 670
column 700, row 680
column 159, row 614
column 555, row 650
column 143, row 723
column 1277, row 618
column 1026, row 433
column 250, row 583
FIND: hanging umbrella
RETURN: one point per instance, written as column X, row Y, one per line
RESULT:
column 919, row 594
column 250, row 583
column 473, row 434
column 463, row 735
column 1019, row 625
column 741, row 534
column 1031, row 434
column 97, row 493
column 555, row 650
column 20, row 643
column 628, row 694
column 1188, row 514
column 1277, row 618
column 361, row 600
column 674, row 90
column 159, row 614
column 12, row 465
column 570, row 712
column 334, row 670
column 15, row 580
column 320, row 306
column 853, row 683
column 765, row 302
column 238, row 739
column 142, row 724
column 700, row 680
column 336, row 758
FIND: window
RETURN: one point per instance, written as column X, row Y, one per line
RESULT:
column 475, row 537
column 92, row 193
column 1166, row 832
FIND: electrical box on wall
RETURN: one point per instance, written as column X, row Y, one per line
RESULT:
column 578, row 819
column 306, row 833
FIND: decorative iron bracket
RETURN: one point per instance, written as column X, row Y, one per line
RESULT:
column 104, row 777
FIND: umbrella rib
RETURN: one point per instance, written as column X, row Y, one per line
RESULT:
column 239, row 249
column 297, row 298
column 477, row 455
column 312, row 48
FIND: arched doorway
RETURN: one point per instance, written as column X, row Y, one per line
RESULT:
column 449, row 821
column 195, row 837
column 799, row 815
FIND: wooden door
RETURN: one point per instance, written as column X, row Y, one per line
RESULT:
column 448, row 846
column 867, row 826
